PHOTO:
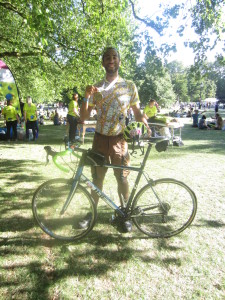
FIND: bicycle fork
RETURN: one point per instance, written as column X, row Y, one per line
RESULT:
column 72, row 190
column 70, row 196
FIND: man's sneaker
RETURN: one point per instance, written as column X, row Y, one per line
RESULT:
column 127, row 226
column 85, row 223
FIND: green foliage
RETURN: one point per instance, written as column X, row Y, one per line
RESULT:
column 220, row 93
column 51, row 45
column 153, row 80
column 55, row 45
column 199, row 90
column 216, row 73
column 208, row 22
column 179, row 80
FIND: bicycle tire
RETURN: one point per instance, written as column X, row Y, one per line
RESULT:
column 47, row 204
column 166, row 217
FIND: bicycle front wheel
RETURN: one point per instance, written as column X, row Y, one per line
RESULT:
column 164, row 208
column 47, row 204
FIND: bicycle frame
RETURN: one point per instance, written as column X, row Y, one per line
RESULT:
column 160, row 208
column 80, row 178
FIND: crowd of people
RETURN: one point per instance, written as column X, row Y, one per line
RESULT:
column 216, row 123
column 27, row 120
column 27, row 123
column 201, row 119
column 30, row 119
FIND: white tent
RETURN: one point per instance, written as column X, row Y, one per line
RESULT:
column 211, row 100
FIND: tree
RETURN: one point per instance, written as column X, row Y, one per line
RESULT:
column 179, row 80
column 205, row 16
column 208, row 22
column 51, row 45
column 216, row 73
column 199, row 85
column 153, row 80
column 54, row 44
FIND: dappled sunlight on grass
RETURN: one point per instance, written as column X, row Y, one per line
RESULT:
column 108, row 264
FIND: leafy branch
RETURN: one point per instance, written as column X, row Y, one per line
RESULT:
column 10, row 6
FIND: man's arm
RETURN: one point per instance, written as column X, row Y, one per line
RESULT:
column 25, row 116
column 139, row 117
column 75, row 110
column 145, row 116
column 4, row 114
column 85, row 109
column 202, row 112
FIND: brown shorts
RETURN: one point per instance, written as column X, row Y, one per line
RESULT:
column 115, row 150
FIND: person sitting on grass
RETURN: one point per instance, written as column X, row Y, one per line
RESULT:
column 202, row 123
column 195, row 117
column 218, row 124
column 56, row 119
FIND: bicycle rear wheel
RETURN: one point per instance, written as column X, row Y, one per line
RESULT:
column 164, row 208
column 47, row 204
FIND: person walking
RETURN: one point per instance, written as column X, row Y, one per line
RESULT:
column 216, row 108
column 11, row 118
column 72, row 117
column 111, row 97
column 30, row 117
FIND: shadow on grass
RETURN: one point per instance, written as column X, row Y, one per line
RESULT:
column 94, row 255
column 102, row 250
column 19, row 172
column 86, row 258
column 210, row 223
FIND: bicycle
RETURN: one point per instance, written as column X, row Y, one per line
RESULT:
column 160, row 209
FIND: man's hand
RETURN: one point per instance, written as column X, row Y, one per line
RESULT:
column 90, row 90
column 85, row 110
column 139, row 117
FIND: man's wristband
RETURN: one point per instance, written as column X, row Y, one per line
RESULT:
column 85, row 99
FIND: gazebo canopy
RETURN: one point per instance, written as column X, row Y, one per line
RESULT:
column 212, row 100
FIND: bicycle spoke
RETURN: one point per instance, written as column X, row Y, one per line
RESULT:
column 164, row 209
column 47, row 205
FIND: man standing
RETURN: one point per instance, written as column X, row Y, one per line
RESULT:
column 11, row 118
column 111, row 97
column 72, row 116
column 30, row 117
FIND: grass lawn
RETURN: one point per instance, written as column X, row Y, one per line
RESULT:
column 107, row 264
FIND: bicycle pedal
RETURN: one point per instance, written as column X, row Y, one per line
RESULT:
column 121, row 224
column 113, row 220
